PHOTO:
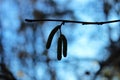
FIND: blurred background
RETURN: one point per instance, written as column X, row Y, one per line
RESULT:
column 93, row 50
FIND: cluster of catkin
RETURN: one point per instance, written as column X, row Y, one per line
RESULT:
column 61, row 43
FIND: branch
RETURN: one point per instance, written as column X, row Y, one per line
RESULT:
column 72, row 21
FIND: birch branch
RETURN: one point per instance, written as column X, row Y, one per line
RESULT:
column 72, row 21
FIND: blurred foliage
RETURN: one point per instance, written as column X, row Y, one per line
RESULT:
column 110, row 68
column 34, row 62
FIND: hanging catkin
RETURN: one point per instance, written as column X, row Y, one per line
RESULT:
column 59, row 48
column 51, row 36
column 64, row 44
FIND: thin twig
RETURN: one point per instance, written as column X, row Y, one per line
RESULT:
column 72, row 21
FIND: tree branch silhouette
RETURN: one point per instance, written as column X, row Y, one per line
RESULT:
column 72, row 21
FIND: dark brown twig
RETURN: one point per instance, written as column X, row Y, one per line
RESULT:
column 72, row 21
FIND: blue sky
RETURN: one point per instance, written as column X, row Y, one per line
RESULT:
column 85, row 42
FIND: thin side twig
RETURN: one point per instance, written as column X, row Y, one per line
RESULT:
column 72, row 21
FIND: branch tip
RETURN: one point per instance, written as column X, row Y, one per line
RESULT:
column 28, row 20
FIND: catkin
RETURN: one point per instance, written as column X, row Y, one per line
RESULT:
column 59, row 48
column 64, row 42
column 48, row 44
